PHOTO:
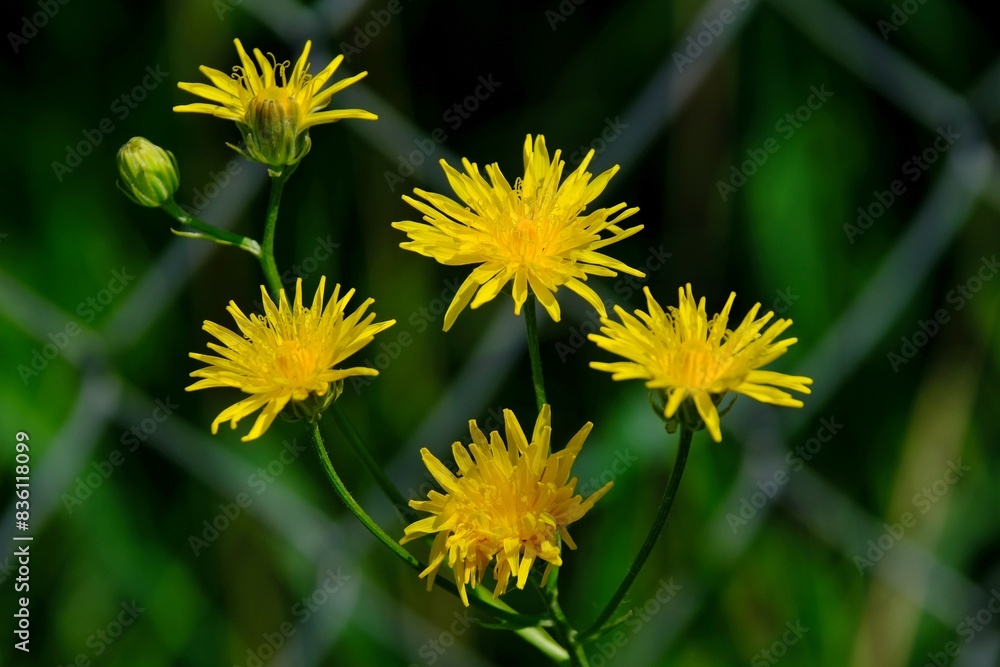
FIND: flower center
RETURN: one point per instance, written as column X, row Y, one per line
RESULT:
column 502, row 514
column 697, row 364
column 519, row 241
column 275, row 93
column 295, row 363
column 525, row 238
column 274, row 107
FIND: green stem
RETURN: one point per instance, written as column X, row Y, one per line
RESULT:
column 207, row 231
column 544, row 642
column 267, row 263
column 571, row 639
column 534, row 351
column 537, row 636
column 371, row 465
column 666, row 503
column 395, row 547
column 552, row 583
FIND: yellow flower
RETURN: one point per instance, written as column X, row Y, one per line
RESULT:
column 534, row 233
column 287, row 354
column 273, row 116
column 510, row 501
column 683, row 354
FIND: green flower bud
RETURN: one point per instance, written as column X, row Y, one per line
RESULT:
column 148, row 173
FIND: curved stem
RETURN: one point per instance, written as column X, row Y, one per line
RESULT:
column 207, row 231
column 654, row 533
column 571, row 638
column 267, row 263
column 270, row 269
column 544, row 642
column 536, row 636
column 353, row 505
column 534, row 351
column 371, row 465
column 394, row 547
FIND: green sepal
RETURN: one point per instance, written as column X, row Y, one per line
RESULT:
column 312, row 408
column 687, row 413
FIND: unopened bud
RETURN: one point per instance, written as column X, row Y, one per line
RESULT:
column 147, row 173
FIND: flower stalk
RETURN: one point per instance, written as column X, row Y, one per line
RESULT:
column 534, row 350
column 357, row 443
column 601, row 623
column 203, row 230
column 267, row 262
column 571, row 639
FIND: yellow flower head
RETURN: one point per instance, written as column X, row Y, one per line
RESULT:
column 510, row 501
column 683, row 354
column 287, row 354
column 534, row 232
column 273, row 111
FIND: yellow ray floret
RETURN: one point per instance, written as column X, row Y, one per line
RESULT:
column 509, row 501
column 288, row 354
column 535, row 233
column 683, row 354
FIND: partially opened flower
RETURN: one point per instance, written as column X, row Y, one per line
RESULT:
column 683, row 354
column 508, row 501
column 288, row 355
column 272, row 111
column 536, row 232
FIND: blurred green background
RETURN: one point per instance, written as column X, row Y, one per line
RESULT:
column 749, row 133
